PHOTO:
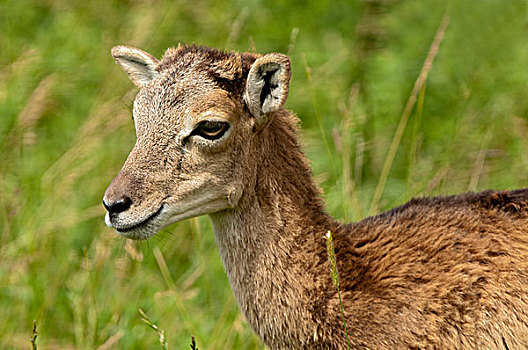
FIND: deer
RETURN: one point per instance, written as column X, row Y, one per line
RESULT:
column 214, row 138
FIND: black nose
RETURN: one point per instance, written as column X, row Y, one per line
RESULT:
column 118, row 206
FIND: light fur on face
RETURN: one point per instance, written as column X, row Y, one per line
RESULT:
column 173, row 173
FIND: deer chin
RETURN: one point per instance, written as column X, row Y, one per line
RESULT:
column 137, row 229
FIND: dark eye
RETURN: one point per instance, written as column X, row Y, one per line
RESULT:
column 211, row 129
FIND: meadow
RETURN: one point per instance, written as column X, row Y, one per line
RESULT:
column 66, row 129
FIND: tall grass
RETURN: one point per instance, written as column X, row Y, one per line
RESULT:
column 66, row 128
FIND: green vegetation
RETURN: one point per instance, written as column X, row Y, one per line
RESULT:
column 66, row 129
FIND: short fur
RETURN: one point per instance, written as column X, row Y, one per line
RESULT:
column 436, row 273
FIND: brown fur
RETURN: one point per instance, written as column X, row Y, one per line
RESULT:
column 435, row 273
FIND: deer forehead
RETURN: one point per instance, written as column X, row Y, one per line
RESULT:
column 169, row 105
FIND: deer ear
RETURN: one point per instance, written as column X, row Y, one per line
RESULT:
column 139, row 65
column 267, row 86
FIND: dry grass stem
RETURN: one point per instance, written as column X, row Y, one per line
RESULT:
column 161, row 332
column 418, row 85
column 178, row 299
column 293, row 39
column 111, row 342
column 480, row 162
column 236, row 27
column 308, row 72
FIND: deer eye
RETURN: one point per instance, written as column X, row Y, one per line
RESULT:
column 211, row 129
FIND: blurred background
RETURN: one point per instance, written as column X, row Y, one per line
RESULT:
column 66, row 129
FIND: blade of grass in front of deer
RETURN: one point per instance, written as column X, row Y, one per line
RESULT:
column 335, row 277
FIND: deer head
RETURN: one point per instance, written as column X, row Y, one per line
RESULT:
column 197, row 115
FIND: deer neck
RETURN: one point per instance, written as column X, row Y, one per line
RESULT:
column 266, row 241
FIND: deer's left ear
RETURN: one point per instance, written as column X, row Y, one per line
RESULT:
column 139, row 65
column 267, row 86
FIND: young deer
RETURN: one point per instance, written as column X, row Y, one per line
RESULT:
column 213, row 138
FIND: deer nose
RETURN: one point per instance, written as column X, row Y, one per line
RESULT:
column 118, row 206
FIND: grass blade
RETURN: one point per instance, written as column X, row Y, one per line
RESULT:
column 335, row 276
column 418, row 85
column 161, row 332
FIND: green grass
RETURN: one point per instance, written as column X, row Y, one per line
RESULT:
column 66, row 128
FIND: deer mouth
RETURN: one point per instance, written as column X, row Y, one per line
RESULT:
column 139, row 226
